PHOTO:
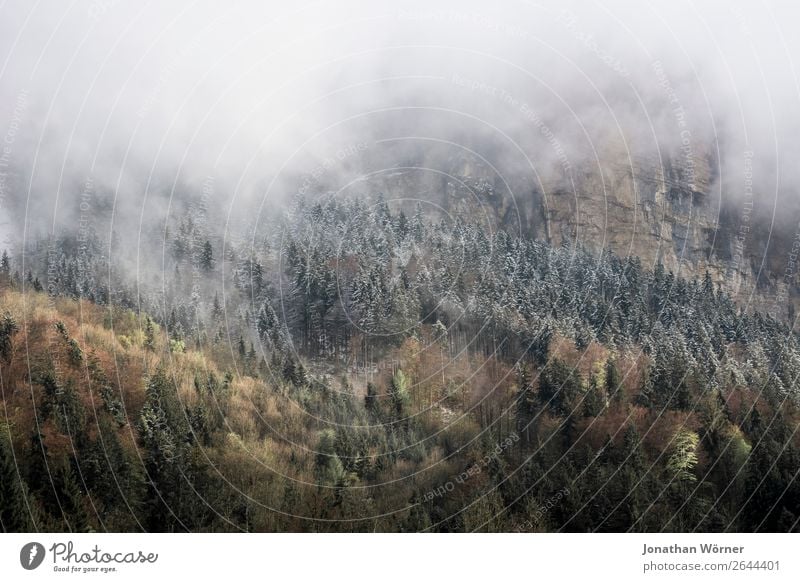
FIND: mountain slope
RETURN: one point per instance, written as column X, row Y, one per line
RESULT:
column 404, row 375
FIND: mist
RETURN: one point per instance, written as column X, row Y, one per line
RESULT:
column 370, row 266
column 125, row 110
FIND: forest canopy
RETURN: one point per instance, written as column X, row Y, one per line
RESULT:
column 359, row 367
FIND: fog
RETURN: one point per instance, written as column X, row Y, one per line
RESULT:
column 127, row 107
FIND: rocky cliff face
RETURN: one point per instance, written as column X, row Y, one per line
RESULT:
column 672, row 211
column 659, row 212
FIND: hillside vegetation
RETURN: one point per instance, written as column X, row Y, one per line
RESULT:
column 372, row 370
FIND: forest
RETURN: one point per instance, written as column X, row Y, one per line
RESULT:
column 357, row 365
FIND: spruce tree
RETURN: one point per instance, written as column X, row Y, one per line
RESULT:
column 207, row 257
column 149, row 334
column 13, row 500
column 526, row 403
column 8, row 327
column 399, row 393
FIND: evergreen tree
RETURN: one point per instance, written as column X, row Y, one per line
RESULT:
column 682, row 461
column 14, row 503
column 559, row 387
column 371, row 399
column 166, row 438
column 627, row 487
column 72, row 500
column 216, row 310
column 207, row 257
column 8, row 327
column 526, row 403
column 399, row 393
column 149, row 334
column 614, row 387
column 328, row 465
column 595, row 400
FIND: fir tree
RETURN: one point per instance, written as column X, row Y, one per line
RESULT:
column 207, row 256
column 8, row 327
column 149, row 334
column 5, row 263
column 14, row 504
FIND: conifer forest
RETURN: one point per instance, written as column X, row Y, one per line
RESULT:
column 421, row 274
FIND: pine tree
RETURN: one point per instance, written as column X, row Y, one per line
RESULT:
column 5, row 264
column 72, row 500
column 628, row 488
column 165, row 437
column 149, row 334
column 526, row 403
column 595, row 400
column 329, row 467
column 614, row 387
column 8, row 327
column 399, row 393
column 216, row 309
column 13, row 496
column 559, row 387
column 683, row 459
column 256, row 278
column 207, row 257
column 371, row 399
